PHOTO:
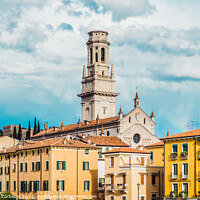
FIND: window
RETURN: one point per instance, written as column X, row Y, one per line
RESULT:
column 108, row 133
column 112, row 198
column 37, row 166
column 47, row 151
column 185, row 187
column 175, row 187
column 101, row 182
column 14, row 185
column 86, row 185
column 38, row 152
column 142, row 198
column 144, row 120
column 60, row 165
column 104, row 111
column 129, row 119
column 102, row 54
column 26, row 167
column 0, row 186
column 174, row 170
column 21, row 153
column 85, row 165
column 60, row 185
column 100, row 153
column 142, row 179
column 33, row 166
column 26, row 153
column 123, row 197
column 130, row 160
column 21, row 167
column 151, row 157
column 96, row 57
column 14, row 167
column 102, row 73
column 184, row 170
column 86, row 151
column 153, row 196
column 1, row 157
column 185, row 147
column 153, row 179
column 1, row 170
column 45, row 185
column 23, row 186
column 142, row 161
column 7, row 185
column 14, row 155
column 112, row 162
column 107, row 148
column 33, row 152
column 47, row 165
column 174, row 148
column 36, row 185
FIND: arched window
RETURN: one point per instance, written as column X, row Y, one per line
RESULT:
column 90, row 55
column 102, row 54
column 103, row 73
column 96, row 57
column 129, row 119
column 108, row 133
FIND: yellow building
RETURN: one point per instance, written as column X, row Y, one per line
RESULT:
column 182, row 164
column 52, row 169
column 127, row 175
column 155, row 180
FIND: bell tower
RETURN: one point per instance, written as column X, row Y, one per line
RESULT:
column 98, row 83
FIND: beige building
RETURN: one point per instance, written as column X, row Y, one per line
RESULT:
column 51, row 169
column 6, row 142
column 9, row 129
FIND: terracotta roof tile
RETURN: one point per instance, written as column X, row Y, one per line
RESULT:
column 127, row 150
column 184, row 134
column 156, row 144
column 106, row 141
column 75, row 126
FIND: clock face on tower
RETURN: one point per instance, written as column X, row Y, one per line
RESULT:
column 136, row 138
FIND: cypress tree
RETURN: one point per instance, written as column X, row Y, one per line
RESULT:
column 19, row 137
column 35, row 127
column 28, row 133
column 1, row 132
column 38, row 127
column 15, row 132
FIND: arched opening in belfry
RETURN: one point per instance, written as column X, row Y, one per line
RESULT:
column 102, row 54
column 90, row 55
column 96, row 57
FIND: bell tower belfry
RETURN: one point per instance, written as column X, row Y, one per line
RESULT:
column 98, row 83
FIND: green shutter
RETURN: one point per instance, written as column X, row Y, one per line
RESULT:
column 83, row 165
column 30, row 186
column 25, row 185
column 151, row 157
column 57, row 165
column 88, row 185
column 63, row 184
column 47, row 186
column 57, row 185
column 100, row 153
column 44, row 189
column 64, row 165
column 107, row 148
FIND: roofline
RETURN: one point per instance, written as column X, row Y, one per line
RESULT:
column 126, row 152
column 154, row 146
column 171, row 138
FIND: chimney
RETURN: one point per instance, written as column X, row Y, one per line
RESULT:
column 152, row 116
column 4, row 149
column 120, row 113
column 79, row 123
column 62, row 126
column 45, row 127
column 167, row 133
column 102, row 131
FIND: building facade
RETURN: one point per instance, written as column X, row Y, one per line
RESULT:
column 51, row 169
column 182, row 164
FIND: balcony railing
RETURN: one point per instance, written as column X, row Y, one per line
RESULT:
column 184, row 155
column 110, row 187
column 122, row 187
column 174, row 176
column 174, row 156
column 184, row 175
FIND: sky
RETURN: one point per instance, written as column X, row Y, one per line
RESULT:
column 155, row 46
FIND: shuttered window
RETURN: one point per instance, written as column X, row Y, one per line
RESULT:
column 37, row 166
column 112, row 161
column 86, row 185
column 129, row 160
column 142, row 161
column 60, row 165
column 46, row 185
column 60, row 185
column 21, row 167
column 86, row 151
column 14, row 185
column 33, row 166
column 100, row 153
column 142, row 179
column 85, row 165
column 23, row 186
column 47, row 165
column 26, row 167
column 30, row 186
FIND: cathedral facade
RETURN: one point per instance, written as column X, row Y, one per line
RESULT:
column 98, row 103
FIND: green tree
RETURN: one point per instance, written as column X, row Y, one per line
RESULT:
column 19, row 136
column 1, row 132
column 7, row 195
column 28, row 132
column 15, row 132
column 38, row 127
column 35, row 127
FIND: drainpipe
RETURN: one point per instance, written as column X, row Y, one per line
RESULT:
column 41, row 171
column 195, row 168
column 77, row 174
column 17, row 174
column 159, row 184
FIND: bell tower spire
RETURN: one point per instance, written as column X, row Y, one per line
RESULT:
column 98, row 84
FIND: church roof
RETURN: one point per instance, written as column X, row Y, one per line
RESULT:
column 126, row 150
column 105, row 141
column 161, row 143
column 76, row 126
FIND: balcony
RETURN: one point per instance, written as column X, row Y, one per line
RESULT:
column 174, row 176
column 122, row 187
column 174, row 156
column 184, row 175
column 110, row 187
column 184, row 155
